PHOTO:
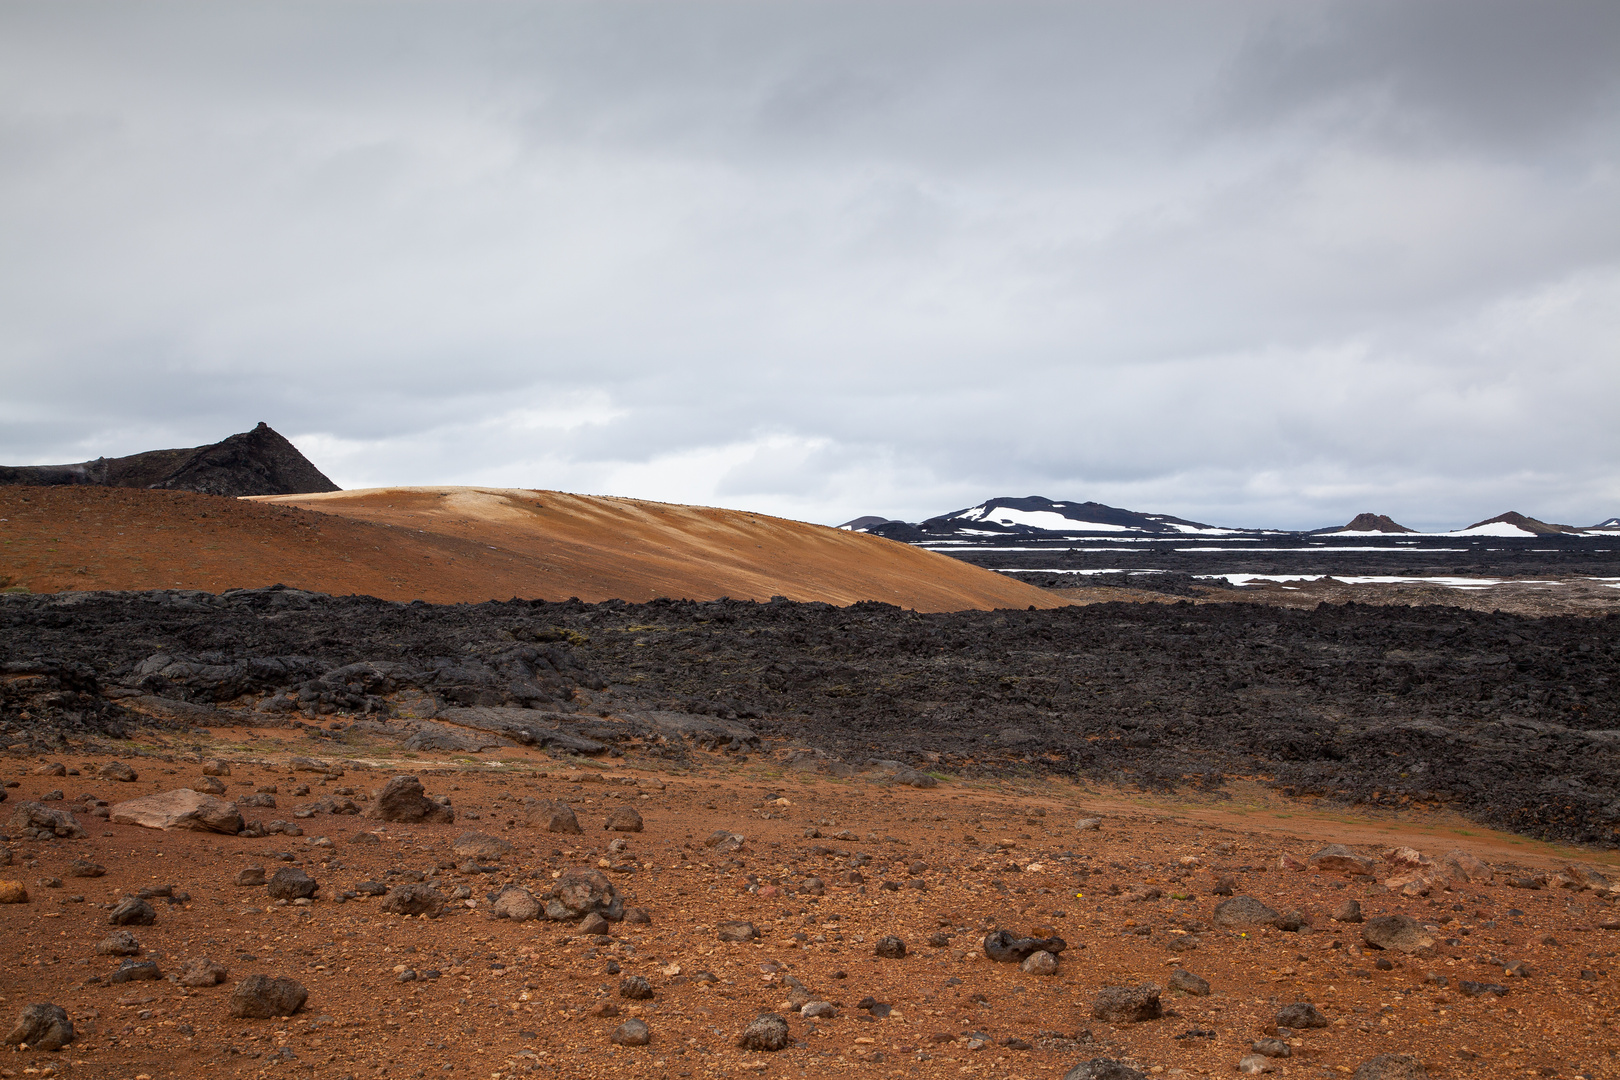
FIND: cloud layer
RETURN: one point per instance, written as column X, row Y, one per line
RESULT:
column 1268, row 263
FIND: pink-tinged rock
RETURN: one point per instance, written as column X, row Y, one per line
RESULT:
column 182, row 809
column 1407, row 857
column 1461, row 866
column 1338, row 859
column 1286, row 861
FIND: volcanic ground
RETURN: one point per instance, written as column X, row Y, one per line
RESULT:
column 834, row 776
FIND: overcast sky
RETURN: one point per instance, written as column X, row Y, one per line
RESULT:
column 1247, row 263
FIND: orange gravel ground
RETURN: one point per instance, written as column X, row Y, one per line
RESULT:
column 467, row 545
column 514, row 999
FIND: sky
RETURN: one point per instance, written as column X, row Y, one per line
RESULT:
column 1254, row 264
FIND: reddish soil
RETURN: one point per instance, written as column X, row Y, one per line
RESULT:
column 467, row 545
column 515, row 999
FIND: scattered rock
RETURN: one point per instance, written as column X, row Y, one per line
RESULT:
column 768, row 1033
column 291, row 883
column 132, row 911
column 1253, row 1064
column 414, row 898
column 42, row 1026
column 635, row 988
column 55, row 768
column 1188, row 983
column 1272, row 1048
column 1399, row 932
column 736, row 930
column 554, row 817
column 201, row 971
column 181, row 809
column 723, row 842
column 1291, row 921
column 1127, row 1005
column 593, row 924
column 136, row 970
column 916, row 779
column 36, row 821
column 474, row 845
column 208, row 786
column 1461, row 866
column 1243, row 911
column 516, row 903
column 637, row 916
column 1391, row 1067
column 216, row 767
column 818, row 1010
column 623, row 819
column 1005, row 947
column 250, row 875
column 1348, row 912
column 1088, row 824
column 117, row 770
column 13, row 892
column 579, row 892
column 889, row 947
column 1469, row 988
column 1301, row 1014
column 84, row 868
column 260, row 997
column 1040, row 963
column 631, row 1033
column 402, row 799
column 1103, row 1069
column 1338, row 859
column 119, row 943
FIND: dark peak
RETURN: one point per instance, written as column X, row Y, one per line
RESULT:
column 1528, row 524
column 1382, row 523
column 257, row 462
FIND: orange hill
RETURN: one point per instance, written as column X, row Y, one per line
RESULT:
column 454, row 545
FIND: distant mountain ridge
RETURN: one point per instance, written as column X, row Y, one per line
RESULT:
column 257, row 462
column 1034, row 516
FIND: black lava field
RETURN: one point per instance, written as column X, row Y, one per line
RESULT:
column 1512, row 721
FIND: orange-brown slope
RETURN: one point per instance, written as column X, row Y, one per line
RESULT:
column 598, row 547
column 55, row 539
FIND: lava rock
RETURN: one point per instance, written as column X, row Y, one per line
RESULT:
column 1348, row 912
column 132, row 911
column 1391, row 1067
column 1301, row 1014
column 1399, row 932
column 631, row 1033
column 180, row 809
column 1103, row 1069
column 84, row 868
column 635, row 988
column 1127, row 1005
column 1188, row 983
column 118, row 943
column 1243, row 911
column 136, row 970
column 260, row 997
column 623, row 819
column 889, row 947
column 291, row 883
column 768, row 1033
column 40, row 822
column 1040, row 963
column 516, row 903
column 1338, row 859
column 475, row 845
column 201, row 971
column 414, row 898
column 579, row 892
column 402, row 799
column 1005, row 947
column 557, row 817
column 42, row 1026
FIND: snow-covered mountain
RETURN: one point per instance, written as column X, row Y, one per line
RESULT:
column 1036, row 515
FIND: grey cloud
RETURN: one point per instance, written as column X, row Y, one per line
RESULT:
column 1247, row 262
